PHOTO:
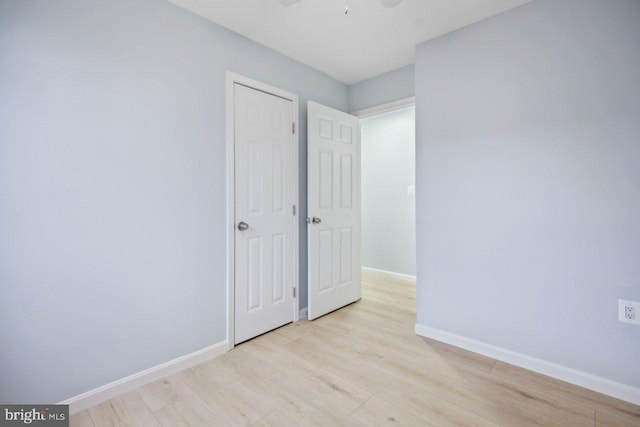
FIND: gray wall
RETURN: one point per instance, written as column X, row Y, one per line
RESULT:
column 388, row 212
column 112, row 186
column 382, row 89
column 528, row 201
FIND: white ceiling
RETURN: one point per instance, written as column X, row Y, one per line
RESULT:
column 368, row 41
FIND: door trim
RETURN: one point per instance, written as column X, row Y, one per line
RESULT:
column 385, row 108
column 231, row 80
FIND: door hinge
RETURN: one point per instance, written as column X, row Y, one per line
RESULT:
column 294, row 210
column 294, row 292
column 293, row 128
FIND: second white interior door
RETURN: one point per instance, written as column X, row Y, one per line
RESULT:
column 333, row 186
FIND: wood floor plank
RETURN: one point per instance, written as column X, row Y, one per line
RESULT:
column 388, row 387
column 126, row 410
column 322, row 389
column 81, row 419
column 389, row 345
column 390, row 283
column 489, row 397
column 336, row 390
column 133, row 411
column 390, row 294
column 615, row 417
column 238, row 404
column 277, row 418
column 561, row 388
column 488, row 401
column 213, row 374
column 190, row 411
column 377, row 412
column 104, row 415
column 164, row 392
column 301, row 401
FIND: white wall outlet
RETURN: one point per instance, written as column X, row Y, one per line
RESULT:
column 411, row 190
column 629, row 311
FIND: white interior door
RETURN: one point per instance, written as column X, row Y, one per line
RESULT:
column 264, row 217
column 334, row 209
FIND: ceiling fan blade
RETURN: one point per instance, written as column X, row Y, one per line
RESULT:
column 390, row 3
column 287, row 3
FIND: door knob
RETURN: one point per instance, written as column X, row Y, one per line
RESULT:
column 316, row 220
column 242, row 226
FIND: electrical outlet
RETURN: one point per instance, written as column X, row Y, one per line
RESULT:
column 629, row 312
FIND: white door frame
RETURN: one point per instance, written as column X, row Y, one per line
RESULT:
column 385, row 108
column 231, row 80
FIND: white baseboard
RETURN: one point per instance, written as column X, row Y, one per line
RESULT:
column 389, row 274
column 109, row 391
column 583, row 379
column 304, row 313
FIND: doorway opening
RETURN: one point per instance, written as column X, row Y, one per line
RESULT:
column 388, row 205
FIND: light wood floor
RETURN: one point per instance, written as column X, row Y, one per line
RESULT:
column 359, row 366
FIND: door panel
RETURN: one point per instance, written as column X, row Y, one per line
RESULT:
column 325, row 260
column 264, row 194
column 333, row 199
column 278, row 268
column 346, row 256
column 254, row 273
column 346, row 181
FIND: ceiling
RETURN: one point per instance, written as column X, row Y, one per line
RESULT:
column 367, row 41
